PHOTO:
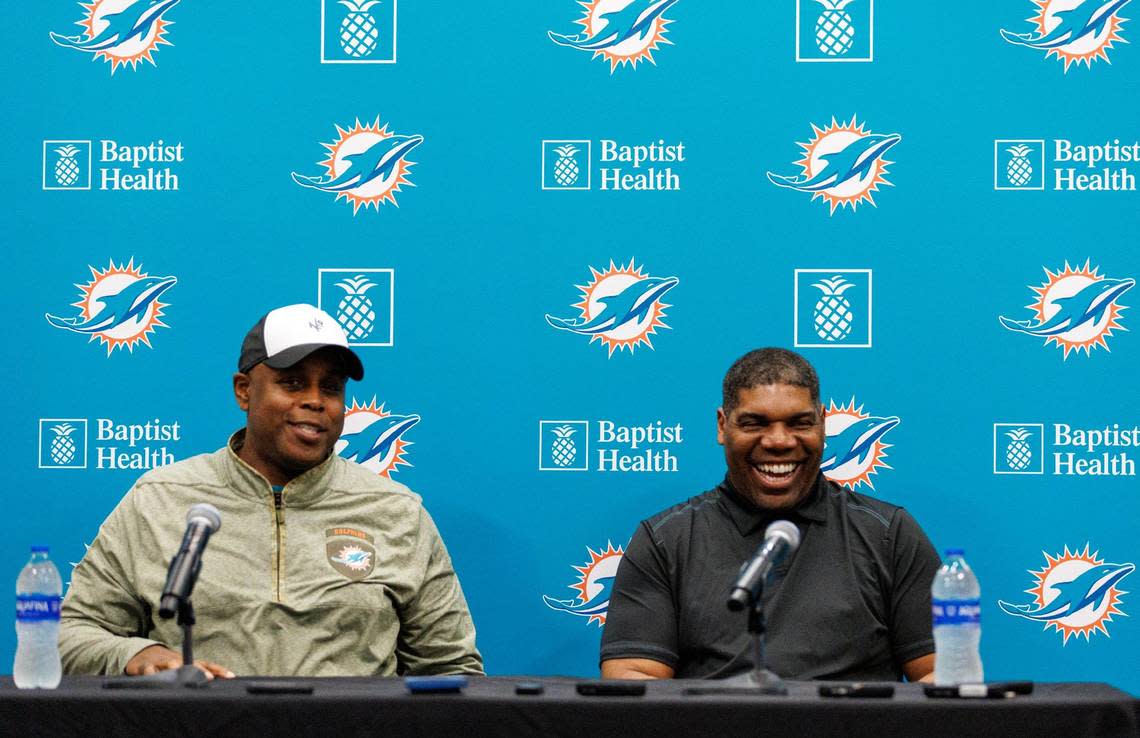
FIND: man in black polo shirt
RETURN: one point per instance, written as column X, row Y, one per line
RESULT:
column 852, row 604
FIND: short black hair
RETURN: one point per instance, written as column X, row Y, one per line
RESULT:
column 767, row 366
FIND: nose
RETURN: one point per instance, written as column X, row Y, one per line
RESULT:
column 312, row 398
column 778, row 438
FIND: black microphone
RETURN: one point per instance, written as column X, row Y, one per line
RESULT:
column 202, row 520
column 781, row 539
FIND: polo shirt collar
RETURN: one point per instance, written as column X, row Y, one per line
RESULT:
column 298, row 491
column 748, row 517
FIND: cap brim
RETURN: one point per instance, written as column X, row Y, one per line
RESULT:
column 290, row 356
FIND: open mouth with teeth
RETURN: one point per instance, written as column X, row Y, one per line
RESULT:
column 307, row 432
column 776, row 474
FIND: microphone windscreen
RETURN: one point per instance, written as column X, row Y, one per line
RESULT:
column 787, row 530
column 206, row 512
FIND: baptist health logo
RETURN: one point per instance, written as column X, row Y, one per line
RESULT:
column 67, row 165
column 121, row 32
column 564, row 445
column 1075, row 593
column 362, row 300
column 854, row 449
column 63, row 443
column 835, row 30
column 1075, row 308
column 832, row 308
column 366, row 165
column 358, row 31
column 1020, row 448
column 567, row 164
column 621, row 307
column 374, row 437
column 842, row 164
column 1074, row 31
column 119, row 307
column 593, row 588
column 1020, row 164
column 620, row 32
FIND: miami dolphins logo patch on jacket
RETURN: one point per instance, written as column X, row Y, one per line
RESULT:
column 351, row 552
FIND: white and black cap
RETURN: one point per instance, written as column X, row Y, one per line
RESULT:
column 288, row 334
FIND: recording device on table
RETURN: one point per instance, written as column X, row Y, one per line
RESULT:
column 202, row 521
column 993, row 690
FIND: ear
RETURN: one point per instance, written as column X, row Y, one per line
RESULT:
column 241, row 391
column 721, row 419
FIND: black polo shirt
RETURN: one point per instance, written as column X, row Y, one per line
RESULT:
column 852, row 604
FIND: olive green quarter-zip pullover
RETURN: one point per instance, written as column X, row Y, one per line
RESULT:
column 342, row 572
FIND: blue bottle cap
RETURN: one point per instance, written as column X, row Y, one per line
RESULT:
column 955, row 552
column 40, row 549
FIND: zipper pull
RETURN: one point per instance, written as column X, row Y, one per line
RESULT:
column 277, row 499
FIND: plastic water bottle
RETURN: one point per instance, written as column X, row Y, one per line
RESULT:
column 956, row 602
column 38, row 591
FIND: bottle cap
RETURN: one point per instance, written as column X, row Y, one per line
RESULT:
column 40, row 549
column 955, row 552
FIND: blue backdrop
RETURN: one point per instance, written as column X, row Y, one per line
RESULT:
column 490, row 259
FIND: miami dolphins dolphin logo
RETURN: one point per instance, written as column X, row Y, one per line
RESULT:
column 374, row 438
column 593, row 588
column 1076, row 593
column 366, row 165
column 1076, row 308
column 842, row 165
column 620, row 31
column 353, row 558
column 854, row 449
column 621, row 307
column 1075, row 31
column 119, row 307
column 121, row 31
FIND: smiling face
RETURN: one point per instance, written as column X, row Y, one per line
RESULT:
column 773, row 441
column 294, row 416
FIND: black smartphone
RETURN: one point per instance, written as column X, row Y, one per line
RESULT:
column 611, row 688
column 856, row 689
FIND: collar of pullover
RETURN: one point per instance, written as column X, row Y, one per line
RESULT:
column 298, row 492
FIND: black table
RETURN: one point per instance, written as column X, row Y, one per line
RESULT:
column 489, row 706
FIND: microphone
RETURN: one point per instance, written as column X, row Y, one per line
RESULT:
column 202, row 520
column 781, row 539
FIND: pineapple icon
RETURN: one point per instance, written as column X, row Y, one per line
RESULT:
column 62, row 448
column 355, row 311
column 358, row 31
column 66, row 168
column 566, row 169
column 834, row 30
column 1019, row 170
column 832, row 316
column 563, row 450
column 1018, row 455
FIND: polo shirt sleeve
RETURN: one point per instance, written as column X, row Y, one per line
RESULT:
column 915, row 563
column 641, row 621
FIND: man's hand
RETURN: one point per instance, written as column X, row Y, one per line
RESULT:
column 154, row 659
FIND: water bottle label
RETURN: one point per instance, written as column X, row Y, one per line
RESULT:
column 37, row 608
column 956, row 612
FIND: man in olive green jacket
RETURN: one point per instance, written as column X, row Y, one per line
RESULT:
column 320, row 567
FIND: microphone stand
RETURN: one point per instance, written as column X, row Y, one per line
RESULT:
column 764, row 679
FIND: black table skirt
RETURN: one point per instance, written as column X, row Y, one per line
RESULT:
column 489, row 706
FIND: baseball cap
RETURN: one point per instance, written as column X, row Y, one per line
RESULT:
column 288, row 334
